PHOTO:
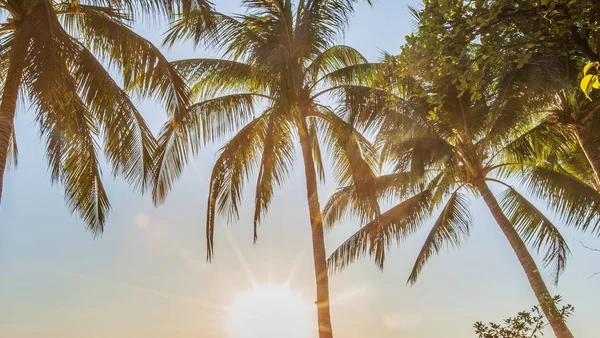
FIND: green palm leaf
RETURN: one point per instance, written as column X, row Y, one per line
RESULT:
column 373, row 238
column 333, row 59
column 204, row 122
column 143, row 66
column 451, row 226
column 276, row 162
column 536, row 230
column 237, row 159
column 574, row 202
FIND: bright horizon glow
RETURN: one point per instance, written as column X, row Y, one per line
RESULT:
column 271, row 311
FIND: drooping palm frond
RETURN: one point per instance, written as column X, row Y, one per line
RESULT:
column 574, row 202
column 390, row 187
column 536, row 230
column 237, row 159
column 576, row 163
column 363, row 106
column 128, row 142
column 276, row 162
column 354, row 159
column 535, row 144
column 339, row 205
column 375, row 237
column 194, row 26
column 354, row 156
column 66, row 122
column 142, row 65
column 166, row 7
column 203, row 10
column 81, row 110
column 204, row 122
column 451, row 227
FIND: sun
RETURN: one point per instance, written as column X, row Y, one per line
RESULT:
column 269, row 312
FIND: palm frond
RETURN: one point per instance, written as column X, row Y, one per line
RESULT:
column 536, row 230
column 361, row 75
column 128, row 142
column 536, row 144
column 574, row 202
column 66, row 123
column 276, row 162
column 451, row 227
column 345, row 200
column 375, row 237
column 319, row 23
column 333, row 59
column 201, row 10
column 575, row 162
column 145, row 7
column 204, row 122
column 417, row 153
column 218, row 32
column 365, row 106
column 354, row 158
column 237, row 159
column 339, row 205
column 143, row 67
column 207, row 77
column 355, row 155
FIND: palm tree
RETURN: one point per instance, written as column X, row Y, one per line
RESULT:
column 279, row 64
column 553, row 75
column 445, row 144
column 50, row 54
column 554, row 40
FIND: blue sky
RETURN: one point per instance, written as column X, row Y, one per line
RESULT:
column 146, row 277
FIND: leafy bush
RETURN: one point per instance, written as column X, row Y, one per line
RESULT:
column 526, row 324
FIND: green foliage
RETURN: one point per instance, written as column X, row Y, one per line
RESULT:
column 549, row 42
column 457, row 114
column 279, row 65
column 54, row 50
column 526, row 324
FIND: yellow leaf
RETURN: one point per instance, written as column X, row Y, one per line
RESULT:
column 588, row 67
column 596, row 84
column 585, row 83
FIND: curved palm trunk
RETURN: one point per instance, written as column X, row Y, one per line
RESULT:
column 318, row 238
column 533, row 275
column 590, row 144
column 8, row 106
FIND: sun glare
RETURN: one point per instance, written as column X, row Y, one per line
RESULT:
column 269, row 312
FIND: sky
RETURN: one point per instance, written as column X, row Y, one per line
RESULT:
column 147, row 277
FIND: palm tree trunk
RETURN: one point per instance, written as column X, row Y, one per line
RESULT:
column 8, row 106
column 318, row 238
column 531, row 270
column 590, row 144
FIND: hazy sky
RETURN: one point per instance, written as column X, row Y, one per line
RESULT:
column 146, row 277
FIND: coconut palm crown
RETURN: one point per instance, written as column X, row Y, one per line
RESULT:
column 444, row 141
column 51, row 55
column 280, row 69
